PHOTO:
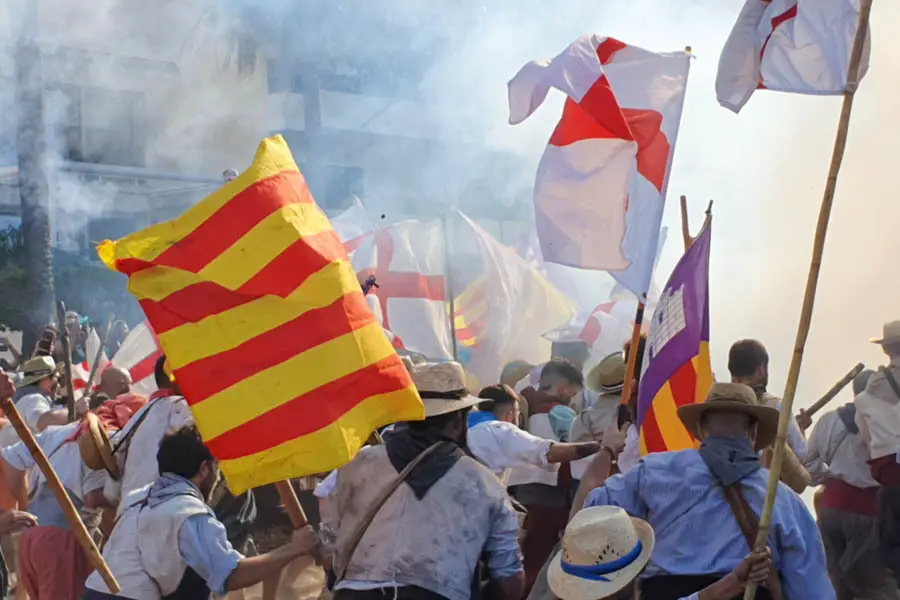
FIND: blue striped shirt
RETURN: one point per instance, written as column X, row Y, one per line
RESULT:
column 696, row 532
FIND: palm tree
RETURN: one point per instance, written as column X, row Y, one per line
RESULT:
column 33, row 183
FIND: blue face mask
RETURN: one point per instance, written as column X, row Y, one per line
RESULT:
column 729, row 459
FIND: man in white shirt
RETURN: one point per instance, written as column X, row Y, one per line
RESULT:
column 847, row 507
column 52, row 564
column 137, row 443
column 496, row 440
column 37, row 389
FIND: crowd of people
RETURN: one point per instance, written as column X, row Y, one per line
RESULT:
column 533, row 487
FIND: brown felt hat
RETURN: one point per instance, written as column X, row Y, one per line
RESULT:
column 734, row 397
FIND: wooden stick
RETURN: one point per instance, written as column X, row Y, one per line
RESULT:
column 56, row 486
column 450, row 295
column 67, row 353
column 291, row 504
column 809, row 298
column 99, row 353
column 632, row 355
column 685, row 226
column 836, row 389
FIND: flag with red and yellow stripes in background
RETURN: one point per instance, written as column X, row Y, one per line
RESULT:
column 469, row 313
column 261, row 316
column 678, row 368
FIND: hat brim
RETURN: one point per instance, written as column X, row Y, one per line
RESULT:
column 607, row 389
column 569, row 587
column 102, row 445
column 766, row 418
column 882, row 341
column 440, row 406
column 30, row 379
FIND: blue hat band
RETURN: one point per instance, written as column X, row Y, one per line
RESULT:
column 598, row 572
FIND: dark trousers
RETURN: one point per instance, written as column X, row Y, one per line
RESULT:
column 406, row 592
column 674, row 587
column 889, row 527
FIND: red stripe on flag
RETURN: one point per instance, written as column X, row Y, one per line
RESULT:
column 310, row 412
column 234, row 220
column 777, row 21
column 653, row 145
column 598, row 116
column 145, row 367
column 284, row 274
column 607, row 50
column 203, row 378
column 653, row 438
column 683, row 384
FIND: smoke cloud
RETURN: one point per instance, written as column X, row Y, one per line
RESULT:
column 438, row 70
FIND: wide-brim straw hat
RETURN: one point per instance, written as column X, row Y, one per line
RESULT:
column 442, row 387
column 96, row 449
column 734, row 397
column 603, row 551
column 890, row 334
column 608, row 375
column 37, row 368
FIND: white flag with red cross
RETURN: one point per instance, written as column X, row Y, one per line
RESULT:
column 138, row 355
column 81, row 372
column 408, row 262
column 798, row 46
column 600, row 187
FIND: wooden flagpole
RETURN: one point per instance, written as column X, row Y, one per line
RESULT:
column 75, row 523
column 812, row 281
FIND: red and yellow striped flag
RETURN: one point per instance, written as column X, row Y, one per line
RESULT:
column 470, row 311
column 286, row 369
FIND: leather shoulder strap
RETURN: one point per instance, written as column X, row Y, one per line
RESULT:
column 367, row 519
column 749, row 524
column 892, row 381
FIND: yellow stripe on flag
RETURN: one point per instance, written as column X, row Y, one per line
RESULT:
column 265, row 242
column 350, row 431
column 670, row 427
column 288, row 380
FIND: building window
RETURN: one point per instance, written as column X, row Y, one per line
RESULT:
column 96, row 125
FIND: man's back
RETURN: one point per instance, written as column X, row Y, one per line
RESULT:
column 163, row 416
column 696, row 531
column 433, row 543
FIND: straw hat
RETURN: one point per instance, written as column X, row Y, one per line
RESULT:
column 603, row 551
column 96, row 449
column 890, row 334
column 608, row 375
column 735, row 397
column 38, row 368
column 442, row 387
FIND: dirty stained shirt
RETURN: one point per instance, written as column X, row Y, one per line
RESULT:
column 433, row 543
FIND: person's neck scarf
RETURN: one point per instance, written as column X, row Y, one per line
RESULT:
column 847, row 414
column 480, row 416
column 729, row 459
column 405, row 445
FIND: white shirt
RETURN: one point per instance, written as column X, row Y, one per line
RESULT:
column 500, row 445
column 836, row 453
column 140, row 467
column 32, row 407
column 327, row 486
column 631, row 454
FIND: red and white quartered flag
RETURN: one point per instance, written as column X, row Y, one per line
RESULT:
column 81, row 372
column 600, row 187
column 138, row 355
column 798, row 46
column 353, row 226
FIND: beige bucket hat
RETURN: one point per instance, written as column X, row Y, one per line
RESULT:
column 603, row 551
column 608, row 375
column 733, row 397
column 38, row 368
column 442, row 387
column 890, row 334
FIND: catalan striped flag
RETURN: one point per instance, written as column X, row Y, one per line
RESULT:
column 678, row 369
column 470, row 312
column 255, row 303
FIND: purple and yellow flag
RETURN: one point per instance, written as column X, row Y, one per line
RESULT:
column 678, row 370
column 262, row 318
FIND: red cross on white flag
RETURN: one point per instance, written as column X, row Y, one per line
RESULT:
column 600, row 187
column 407, row 260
